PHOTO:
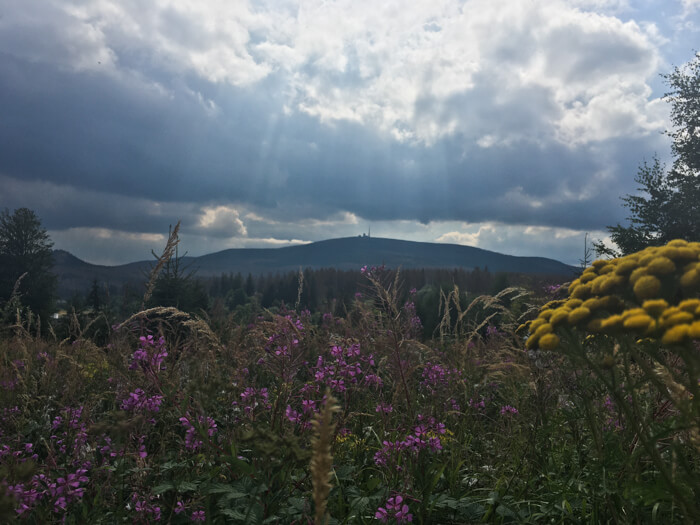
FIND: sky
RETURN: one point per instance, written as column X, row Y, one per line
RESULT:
column 510, row 125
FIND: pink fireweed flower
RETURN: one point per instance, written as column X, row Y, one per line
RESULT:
column 292, row 415
column 477, row 404
column 395, row 508
column 384, row 409
column 507, row 409
column 308, row 406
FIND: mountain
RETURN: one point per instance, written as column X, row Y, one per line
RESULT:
column 349, row 253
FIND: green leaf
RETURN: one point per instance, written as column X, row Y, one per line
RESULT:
column 186, row 486
column 163, row 488
column 232, row 513
column 372, row 483
column 239, row 466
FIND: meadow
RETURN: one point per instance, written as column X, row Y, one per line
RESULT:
column 572, row 404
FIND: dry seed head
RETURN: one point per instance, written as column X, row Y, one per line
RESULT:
column 322, row 461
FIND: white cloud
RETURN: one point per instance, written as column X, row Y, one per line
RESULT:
column 431, row 70
column 418, row 71
column 564, row 244
column 221, row 221
column 609, row 6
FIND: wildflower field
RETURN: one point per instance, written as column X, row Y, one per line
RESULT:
column 576, row 404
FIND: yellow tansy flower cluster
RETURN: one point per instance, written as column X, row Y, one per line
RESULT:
column 653, row 293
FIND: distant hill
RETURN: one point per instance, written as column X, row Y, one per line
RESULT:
column 349, row 253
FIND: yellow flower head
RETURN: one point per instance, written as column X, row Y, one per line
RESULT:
column 630, row 294
column 611, row 322
column 574, row 284
column 655, row 306
column 544, row 329
column 607, row 269
column 637, row 274
column 579, row 314
column 689, row 305
column 676, row 335
column 582, row 291
column 638, row 322
column 546, row 314
column 647, row 287
column 573, row 303
column 586, row 277
column 691, row 279
column 559, row 315
column 677, row 318
column 633, row 311
column 549, row 342
column 592, row 304
column 626, row 266
column 661, row 266
column 694, row 330
column 537, row 323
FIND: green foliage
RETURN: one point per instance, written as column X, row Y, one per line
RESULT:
column 669, row 205
column 25, row 253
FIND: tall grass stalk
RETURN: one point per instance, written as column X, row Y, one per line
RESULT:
column 322, row 461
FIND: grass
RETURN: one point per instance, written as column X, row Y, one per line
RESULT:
column 346, row 420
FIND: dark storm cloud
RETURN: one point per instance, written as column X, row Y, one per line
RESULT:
column 88, row 132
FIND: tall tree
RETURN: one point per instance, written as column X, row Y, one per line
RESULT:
column 94, row 298
column 669, row 205
column 26, row 249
